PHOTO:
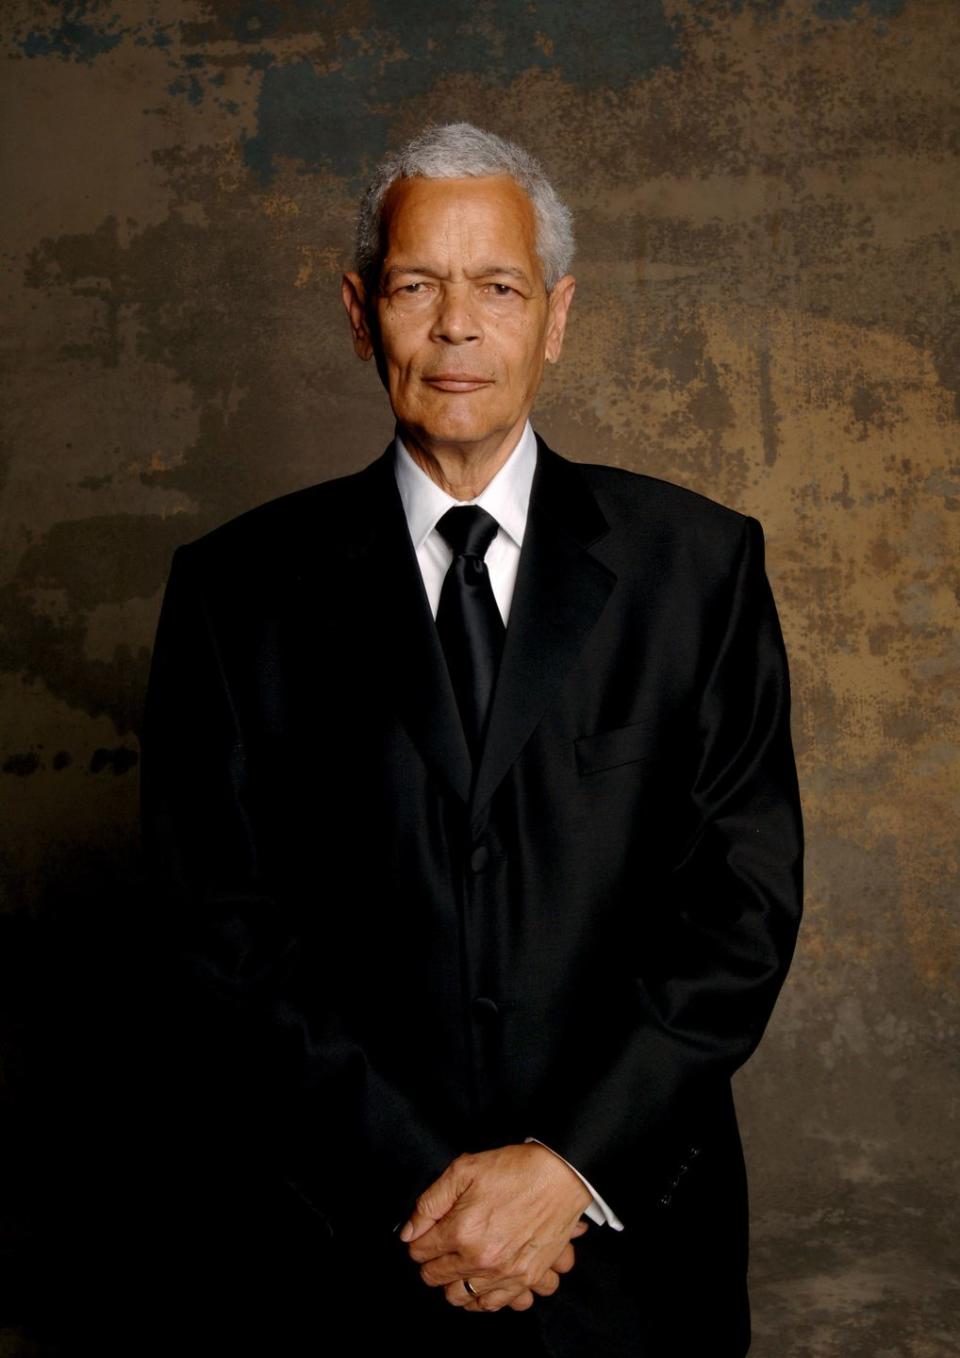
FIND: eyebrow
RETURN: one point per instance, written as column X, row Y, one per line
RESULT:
column 485, row 271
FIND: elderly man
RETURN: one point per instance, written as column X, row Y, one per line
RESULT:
column 469, row 778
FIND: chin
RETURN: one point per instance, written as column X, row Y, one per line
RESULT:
column 450, row 430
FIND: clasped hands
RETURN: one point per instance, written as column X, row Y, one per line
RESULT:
column 502, row 1218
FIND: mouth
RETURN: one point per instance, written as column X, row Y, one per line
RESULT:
column 454, row 382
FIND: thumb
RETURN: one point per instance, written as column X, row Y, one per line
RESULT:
column 435, row 1202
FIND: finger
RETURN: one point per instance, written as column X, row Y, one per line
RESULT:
column 581, row 1228
column 487, row 1298
column 417, row 1225
column 547, row 1285
column 436, row 1200
column 457, row 1295
column 565, row 1260
column 496, row 1299
column 444, row 1269
column 521, row 1303
column 437, row 1242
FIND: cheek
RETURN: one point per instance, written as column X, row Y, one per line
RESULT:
column 402, row 340
column 401, row 366
column 522, row 349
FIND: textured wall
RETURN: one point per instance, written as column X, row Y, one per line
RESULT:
column 766, row 195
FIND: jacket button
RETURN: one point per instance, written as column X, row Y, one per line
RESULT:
column 485, row 1008
column 666, row 1200
column 479, row 858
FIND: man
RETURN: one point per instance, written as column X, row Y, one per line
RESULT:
column 469, row 777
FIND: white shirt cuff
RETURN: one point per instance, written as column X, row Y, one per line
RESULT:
column 598, row 1211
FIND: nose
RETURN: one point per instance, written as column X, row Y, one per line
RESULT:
column 455, row 321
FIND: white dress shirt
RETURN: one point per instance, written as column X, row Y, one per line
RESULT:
column 506, row 496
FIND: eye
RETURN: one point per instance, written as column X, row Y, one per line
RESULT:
column 500, row 289
column 416, row 289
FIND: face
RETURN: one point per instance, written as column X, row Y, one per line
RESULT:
column 462, row 323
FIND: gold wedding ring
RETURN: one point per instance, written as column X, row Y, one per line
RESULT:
column 470, row 1287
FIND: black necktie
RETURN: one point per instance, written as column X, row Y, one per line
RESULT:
column 468, row 619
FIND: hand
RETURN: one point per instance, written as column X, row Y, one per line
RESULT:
column 547, row 1285
column 503, row 1218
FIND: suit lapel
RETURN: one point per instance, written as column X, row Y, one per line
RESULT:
column 560, row 591
column 401, row 631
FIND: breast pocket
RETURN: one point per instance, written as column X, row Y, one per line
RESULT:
column 608, row 749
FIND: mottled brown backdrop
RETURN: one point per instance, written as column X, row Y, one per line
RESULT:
column 766, row 198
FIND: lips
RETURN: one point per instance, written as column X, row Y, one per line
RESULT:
column 455, row 382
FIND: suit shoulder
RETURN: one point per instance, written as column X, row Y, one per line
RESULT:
column 265, row 532
column 634, row 497
column 650, row 520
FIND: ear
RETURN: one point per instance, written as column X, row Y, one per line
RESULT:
column 354, row 297
column 559, row 306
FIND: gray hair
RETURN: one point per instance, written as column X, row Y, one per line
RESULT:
column 462, row 151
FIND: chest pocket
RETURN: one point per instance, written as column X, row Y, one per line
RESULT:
column 607, row 749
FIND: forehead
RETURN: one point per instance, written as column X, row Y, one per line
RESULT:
column 459, row 219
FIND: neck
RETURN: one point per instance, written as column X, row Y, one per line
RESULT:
column 462, row 470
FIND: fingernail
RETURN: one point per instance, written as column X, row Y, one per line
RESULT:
column 407, row 1232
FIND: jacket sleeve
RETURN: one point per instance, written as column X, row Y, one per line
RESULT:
column 717, row 936
column 269, row 1057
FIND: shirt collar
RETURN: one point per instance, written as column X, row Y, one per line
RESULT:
column 506, row 496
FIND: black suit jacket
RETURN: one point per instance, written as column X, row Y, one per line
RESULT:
column 582, row 943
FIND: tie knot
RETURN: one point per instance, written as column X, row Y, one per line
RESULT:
column 468, row 529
